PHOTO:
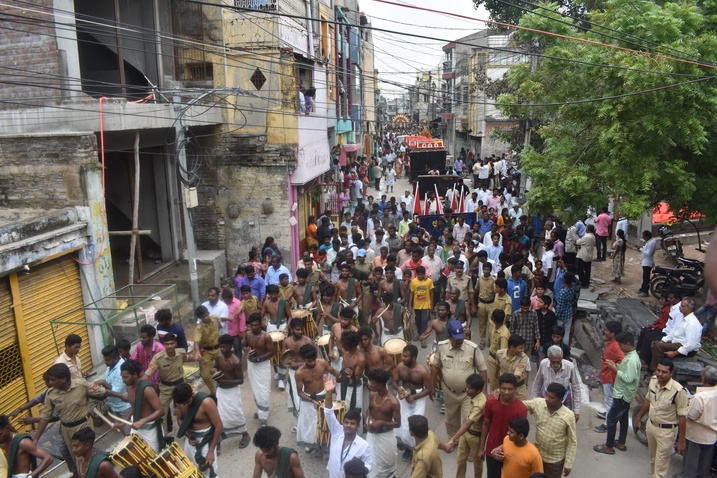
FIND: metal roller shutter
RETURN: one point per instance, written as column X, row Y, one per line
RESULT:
column 13, row 392
column 51, row 291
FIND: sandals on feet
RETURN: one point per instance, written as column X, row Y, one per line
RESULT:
column 604, row 449
column 620, row 446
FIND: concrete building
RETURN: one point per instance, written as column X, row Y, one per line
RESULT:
column 87, row 86
column 470, row 64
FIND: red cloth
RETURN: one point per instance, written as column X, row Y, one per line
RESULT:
column 612, row 352
column 661, row 321
column 500, row 416
column 238, row 325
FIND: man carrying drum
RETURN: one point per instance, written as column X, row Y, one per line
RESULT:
column 414, row 385
column 439, row 325
column 290, row 357
column 199, row 420
column 304, row 296
column 377, row 357
column 260, row 348
column 348, row 289
column 147, row 410
column 384, row 416
column 337, row 331
column 310, row 386
column 275, row 312
column 328, row 309
column 229, row 399
column 352, row 370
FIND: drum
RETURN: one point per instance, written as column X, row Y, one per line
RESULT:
column 133, row 451
column 322, row 343
column 173, row 462
column 394, row 347
column 277, row 337
column 439, row 377
column 308, row 318
column 323, row 436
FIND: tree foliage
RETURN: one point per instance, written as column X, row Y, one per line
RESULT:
column 511, row 11
column 647, row 133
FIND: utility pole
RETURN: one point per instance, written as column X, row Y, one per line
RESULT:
column 188, row 229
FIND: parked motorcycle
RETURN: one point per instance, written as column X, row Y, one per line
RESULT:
column 687, row 277
column 671, row 246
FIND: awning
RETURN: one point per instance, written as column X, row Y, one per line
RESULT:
column 350, row 148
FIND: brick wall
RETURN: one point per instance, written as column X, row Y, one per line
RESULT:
column 44, row 172
column 27, row 42
column 238, row 175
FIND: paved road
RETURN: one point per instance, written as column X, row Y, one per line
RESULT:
column 239, row 463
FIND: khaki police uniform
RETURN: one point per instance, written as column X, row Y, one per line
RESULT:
column 456, row 365
column 72, row 406
column 469, row 443
column 464, row 285
column 485, row 288
column 207, row 335
column 498, row 341
column 667, row 404
column 505, row 304
column 171, row 373
column 514, row 365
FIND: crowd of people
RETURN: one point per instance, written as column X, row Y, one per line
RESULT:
column 340, row 335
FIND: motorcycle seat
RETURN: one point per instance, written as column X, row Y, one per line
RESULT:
column 691, row 262
column 667, row 270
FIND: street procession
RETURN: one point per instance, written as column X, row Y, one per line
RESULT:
column 296, row 239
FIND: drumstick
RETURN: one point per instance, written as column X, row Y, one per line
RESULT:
column 121, row 420
column 104, row 418
column 320, row 304
column 382, row 312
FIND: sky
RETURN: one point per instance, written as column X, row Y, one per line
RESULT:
column 398, row 57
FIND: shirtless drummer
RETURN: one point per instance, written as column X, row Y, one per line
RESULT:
column 439, row 325
column 413, row 382
column 310, row 385
column 337, row 330
column 260, row 348
column 293, row 344
column 229, row 399
column 384, row 416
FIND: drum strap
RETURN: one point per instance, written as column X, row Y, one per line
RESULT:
column 445, row 332
column 396, row 289
column 397, row 318
column 345, row 388
column 335, row 309
column 94, row 466
column 459, row 309
column 350, row 290
column 280, row 311
column 14, row 448
column 307, row 293
column 192, row 411
column 282, row 463
column 137, row 410
column 198, row 458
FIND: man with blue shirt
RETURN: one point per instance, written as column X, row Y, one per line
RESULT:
column 165, row 326
column 485, row 223
column 257, row 284
column 517, row 288
column 113, row 381
column 276, row 269
column 495, row 249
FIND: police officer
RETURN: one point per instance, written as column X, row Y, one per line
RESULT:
column 667, row 406
column 457, row 359
column 206, row 338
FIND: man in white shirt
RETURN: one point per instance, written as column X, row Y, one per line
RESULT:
column 648, row 261
column 358, row 190
column 378, row 243
column 217, row 307
column 434, row 263
column 683, row 340
column 408, row 199
column 483, row 192
column 460, row 229
column 340, row 451
column 472, row 203
column 515, row 212
column 273, row 273
column 494, row 249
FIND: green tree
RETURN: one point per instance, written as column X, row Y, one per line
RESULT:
column 511, row 11
column 647, row 132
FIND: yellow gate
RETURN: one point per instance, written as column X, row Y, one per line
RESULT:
column 13, row 393
column 50, row 291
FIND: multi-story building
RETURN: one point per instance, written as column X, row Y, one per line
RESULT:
column 179, row 120
column 474, row 61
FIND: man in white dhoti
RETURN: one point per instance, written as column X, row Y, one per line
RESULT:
column 229, row 400
column 261, row 347
column 384, row 416
column 310, row 383
column 199, row 420
column 346, row 444
column 413, row 382
column 147, row 410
